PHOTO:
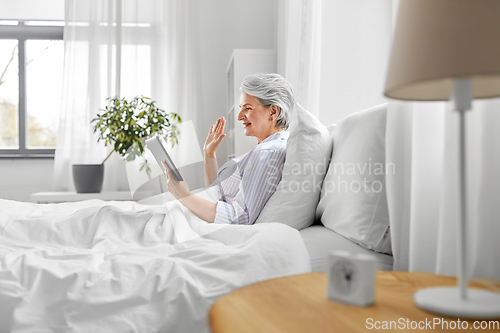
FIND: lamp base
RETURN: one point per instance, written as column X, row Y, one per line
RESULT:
column 481, row 304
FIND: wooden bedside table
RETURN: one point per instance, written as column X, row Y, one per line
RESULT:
column 299, row 303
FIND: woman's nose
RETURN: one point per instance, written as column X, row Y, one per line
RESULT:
column 241, row 115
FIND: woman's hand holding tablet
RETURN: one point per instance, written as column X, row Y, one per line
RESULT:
column 161, row 155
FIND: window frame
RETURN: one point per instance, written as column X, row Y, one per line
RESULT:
column 22, row 33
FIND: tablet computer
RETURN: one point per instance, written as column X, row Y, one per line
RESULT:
column 161, row 155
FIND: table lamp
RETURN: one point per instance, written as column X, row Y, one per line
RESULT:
column 446, row 49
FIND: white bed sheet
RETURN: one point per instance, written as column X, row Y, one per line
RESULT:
column 97, row 266
column 320, row 241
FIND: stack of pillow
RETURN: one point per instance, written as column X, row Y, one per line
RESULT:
column 344, row 189
column 308, row 152
column 353, row 199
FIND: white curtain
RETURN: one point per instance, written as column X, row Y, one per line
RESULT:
column 422, row 139
column 422, row 142
column 152, row 52
column 299, row 49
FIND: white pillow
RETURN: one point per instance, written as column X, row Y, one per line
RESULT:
column 353, row 198
column 308, row 152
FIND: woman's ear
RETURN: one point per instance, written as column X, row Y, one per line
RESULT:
column 275, row 111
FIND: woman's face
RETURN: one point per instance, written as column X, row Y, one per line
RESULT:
column 258, row 120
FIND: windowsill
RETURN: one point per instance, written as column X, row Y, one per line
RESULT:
column 26, row 156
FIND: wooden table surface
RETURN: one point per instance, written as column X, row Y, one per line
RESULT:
column 299, row 303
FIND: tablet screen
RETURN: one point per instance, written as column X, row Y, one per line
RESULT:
column 160, row 153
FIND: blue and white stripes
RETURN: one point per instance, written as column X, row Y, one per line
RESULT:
column 247, row 185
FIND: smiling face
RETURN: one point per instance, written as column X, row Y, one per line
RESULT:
column 258, row 120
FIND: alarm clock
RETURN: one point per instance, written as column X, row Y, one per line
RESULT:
column 351, row 278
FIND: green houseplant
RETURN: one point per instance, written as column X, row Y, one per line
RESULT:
column 126, row 124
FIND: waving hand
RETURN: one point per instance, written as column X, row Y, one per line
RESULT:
column 215, row 137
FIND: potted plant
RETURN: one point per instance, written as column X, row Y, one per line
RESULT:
column 125, row 124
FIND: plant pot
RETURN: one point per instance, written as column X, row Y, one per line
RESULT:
column 88, row 177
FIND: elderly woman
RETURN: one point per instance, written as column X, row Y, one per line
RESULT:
column 245, row 186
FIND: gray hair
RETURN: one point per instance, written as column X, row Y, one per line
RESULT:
column 271, row 89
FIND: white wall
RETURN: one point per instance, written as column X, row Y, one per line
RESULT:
column 354, row 61
column 32, row 9
column 21, row 177
column 224, row 25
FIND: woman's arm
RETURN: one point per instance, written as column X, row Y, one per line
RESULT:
column 211, row 168
column 215, row 136
column 205, row 209
column 260, row 179
column 262, row 175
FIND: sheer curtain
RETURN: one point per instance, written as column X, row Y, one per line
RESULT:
column 299, row 49
column 422, row 142
column 124, row 48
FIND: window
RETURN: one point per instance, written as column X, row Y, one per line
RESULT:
column 31, row 72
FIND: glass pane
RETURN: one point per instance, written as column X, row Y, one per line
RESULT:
column 44, row 73
column 9, row 94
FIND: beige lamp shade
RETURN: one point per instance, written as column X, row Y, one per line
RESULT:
column 437, row 41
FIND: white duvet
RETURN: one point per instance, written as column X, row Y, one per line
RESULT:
column 98, row 266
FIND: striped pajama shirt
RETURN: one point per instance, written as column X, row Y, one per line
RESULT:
column 246, row 183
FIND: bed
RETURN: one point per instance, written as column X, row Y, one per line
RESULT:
column 331, row 217
column 320, row 241
column 96, row 266
column 153, row 266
